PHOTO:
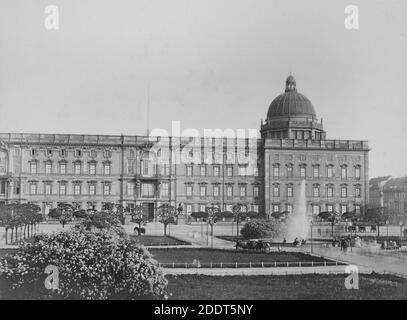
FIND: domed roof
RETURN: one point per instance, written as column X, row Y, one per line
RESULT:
column 290, row 103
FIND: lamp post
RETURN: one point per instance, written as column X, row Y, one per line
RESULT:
column 401, row 223
column 350, row 235
column 312, row 249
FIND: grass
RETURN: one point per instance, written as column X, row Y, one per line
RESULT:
column 319, row 287
column 148, row 240
column 205, row 255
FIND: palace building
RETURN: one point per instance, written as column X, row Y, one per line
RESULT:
column 88, row 170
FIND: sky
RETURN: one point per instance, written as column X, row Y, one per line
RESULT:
column 208, row 64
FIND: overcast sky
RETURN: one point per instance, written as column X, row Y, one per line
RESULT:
column 207, row 63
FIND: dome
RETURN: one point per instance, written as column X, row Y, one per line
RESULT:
column 290, row 103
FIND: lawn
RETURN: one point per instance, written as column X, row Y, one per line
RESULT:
column 159, row 240
column 319, row 287
column 216, row 256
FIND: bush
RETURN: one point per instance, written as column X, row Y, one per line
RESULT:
column 54, row 213
column 80, row 214
column 255, row 229
column 91, row 266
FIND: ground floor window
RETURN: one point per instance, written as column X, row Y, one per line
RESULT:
column 289, row 208
column 189, row 209
column 315, row 209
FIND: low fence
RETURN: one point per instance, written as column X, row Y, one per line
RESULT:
column 237, row 265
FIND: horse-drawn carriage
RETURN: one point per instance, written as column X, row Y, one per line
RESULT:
column 257, row 245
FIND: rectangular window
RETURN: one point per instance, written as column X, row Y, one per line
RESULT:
column 344, row 208
column 164, row 189
column 302, row 172
column 147, row 190
column 189, row 209
column 289, row 191
column 276, row 190
column 203, row 171
column 316, row 171
column 229, row 171
column 62, row 189
column 344, row 172
column 62, row 168
column 330, row 172
column 357, row 172
column 256, row 171
column 145, row 164
column 242, row 171
column 243, row 191
column 357, row 208
column 256, row 208
column 216, row 171
column 358, row 192
column 276, row 208
column 316, row 191
column 3, row 187
column 77, row 168
column 229, row 191
column 202, row 208
column 202, row 191
column 189, row 171
column 106, row 189
column 289, row 171
column 344, row 191
column 330, row 192
column 106, row 169
column 48, row 168
column 315, row 209
column 77, row 189
column 92, row 189
column 33, row 188
column 33, row 167
column 189, row 190
column 329, row 208
column 216, row 190
column 290, row 208
column 48, row 189
column 276, row 171
column 256, row 191
column 130, row 189
column 165, row 169
column 92, row 168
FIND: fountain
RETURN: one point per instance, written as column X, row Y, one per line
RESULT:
column 298, row 222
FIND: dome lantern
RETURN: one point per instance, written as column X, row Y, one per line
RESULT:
column 290, row 84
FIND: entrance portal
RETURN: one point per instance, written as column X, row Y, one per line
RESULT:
column 148, row 209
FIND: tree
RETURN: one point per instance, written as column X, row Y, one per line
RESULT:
column 66, row 211
column 116, row 209
column 102, row 221
column 212, row 214
column 241, row 215
column 378, row 216
column 19, row 215
column 332, row 217
column 167, row 214
column 256, row 229
column 138, row 217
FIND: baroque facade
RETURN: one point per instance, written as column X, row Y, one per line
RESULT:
column 88, row 170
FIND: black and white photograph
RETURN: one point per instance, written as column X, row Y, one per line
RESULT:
column 203, row 154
